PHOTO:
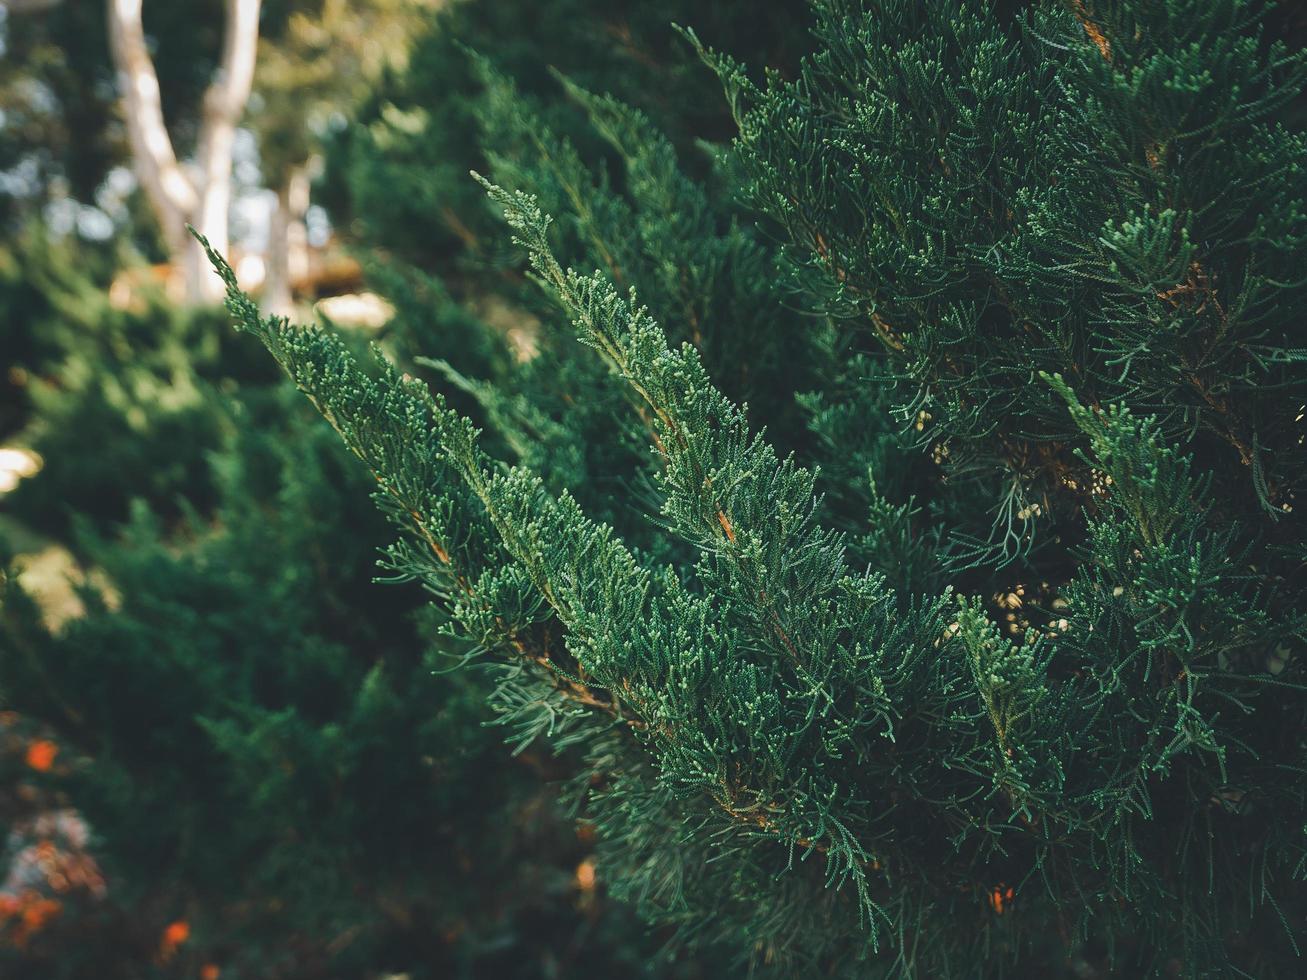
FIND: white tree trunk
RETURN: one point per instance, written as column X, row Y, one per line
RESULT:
column 287, row 260
column 170, row 191
column 224, row 104
column 201, row 198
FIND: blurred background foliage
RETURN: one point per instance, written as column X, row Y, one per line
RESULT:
column 223, row 751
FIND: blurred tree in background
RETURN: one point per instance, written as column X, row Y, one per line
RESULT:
column 62, row 134
column 196, row 192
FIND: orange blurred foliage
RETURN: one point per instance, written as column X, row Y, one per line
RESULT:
column 1001, row 897
column 585, row 875
column 41, row 754
column 174, row 935
column 30, row 911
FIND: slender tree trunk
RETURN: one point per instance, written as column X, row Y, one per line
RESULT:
column 224, row 104
column 203, row 196
column 287, row 258
column 166, row 185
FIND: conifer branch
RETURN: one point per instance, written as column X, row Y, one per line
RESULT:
column 347, row 399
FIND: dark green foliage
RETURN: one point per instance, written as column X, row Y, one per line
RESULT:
column 34, row 283
column 405, row 184
column 1013, row 685
column 121, row 401
column 1014, row 210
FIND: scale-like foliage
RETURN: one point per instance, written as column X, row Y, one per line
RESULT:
column 974, row 646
